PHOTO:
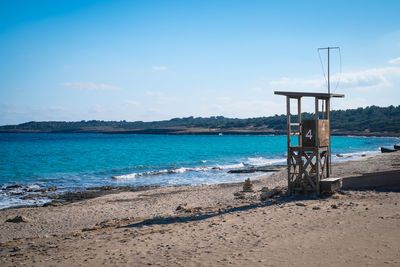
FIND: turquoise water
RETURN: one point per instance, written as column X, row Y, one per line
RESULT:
column 74, row 161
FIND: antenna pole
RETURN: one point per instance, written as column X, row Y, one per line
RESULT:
column 329, row 67
column 328, row 106
column 329, row 82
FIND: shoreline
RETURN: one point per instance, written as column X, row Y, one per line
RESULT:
column 213, row 132
column 357, row 167
column 203, row 225
column 49, row 196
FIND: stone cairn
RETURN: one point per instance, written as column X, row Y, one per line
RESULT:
column 248, row 186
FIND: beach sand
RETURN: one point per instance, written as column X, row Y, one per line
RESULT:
column 208, row 225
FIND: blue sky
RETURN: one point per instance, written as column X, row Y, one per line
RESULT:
column 151, row 60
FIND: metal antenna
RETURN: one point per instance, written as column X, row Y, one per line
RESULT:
column 329, row 49
column 329, row 92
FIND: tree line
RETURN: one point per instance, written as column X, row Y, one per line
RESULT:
column 369, row 119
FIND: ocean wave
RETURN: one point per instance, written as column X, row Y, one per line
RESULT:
column 8, row 201
column 159, row 172
column 352, row 155
column 261, row 161
column 251, row 161
column 136, row 174
column 230, row 166
column 177, row 171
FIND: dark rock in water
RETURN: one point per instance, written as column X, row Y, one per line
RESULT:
column 53, row 203
column 32, row 196
column 49, row 189
column 248, row 170
column 43, row 190
column 106, row 187
column 16, row 193
column 272, row 168
column 13, row 186
column 91, row 192
column 363, row 155
column 339, row 155
column 18, row 219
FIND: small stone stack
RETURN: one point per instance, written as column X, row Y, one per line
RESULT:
column 248, row 186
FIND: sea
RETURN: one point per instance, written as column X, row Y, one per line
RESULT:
column 70, row 162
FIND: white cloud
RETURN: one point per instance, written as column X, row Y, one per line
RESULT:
column 369, row 78
column 364, row 79
column 161, row 97
column 57, row 108
column 395, row 61
column 299, row 82
column 152, row 93
column 350, row 103
column 245, row 108
column 159, row 68
column 90, row 86
column 257, row 90
column 225, row 99
column 131, row 102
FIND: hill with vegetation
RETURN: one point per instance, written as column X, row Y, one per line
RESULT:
column 373, row 120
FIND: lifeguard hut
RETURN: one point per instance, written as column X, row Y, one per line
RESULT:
column 309, row 161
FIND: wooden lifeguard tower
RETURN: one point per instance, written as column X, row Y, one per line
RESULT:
column 308, row 162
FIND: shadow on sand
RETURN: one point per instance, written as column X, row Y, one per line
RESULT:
column 206, row 215
column 281, row 199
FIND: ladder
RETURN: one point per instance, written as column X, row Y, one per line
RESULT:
column 290, row 124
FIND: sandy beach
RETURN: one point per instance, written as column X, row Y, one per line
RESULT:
column 213, row 225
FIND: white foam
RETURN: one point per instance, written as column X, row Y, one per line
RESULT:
column 352, row 155
column 261, row 161
column 180, row 170
column 14, row 201
column 199, row 169
column 148, row 173
column 231, row 166
column 251, row 161
column 33, row 186
column 126, row 176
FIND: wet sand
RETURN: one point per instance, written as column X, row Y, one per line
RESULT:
column 209, row 225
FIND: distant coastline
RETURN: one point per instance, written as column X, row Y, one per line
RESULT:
column 196, row 131
column 369, row 121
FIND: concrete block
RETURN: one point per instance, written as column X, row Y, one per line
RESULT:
column 330, row 185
